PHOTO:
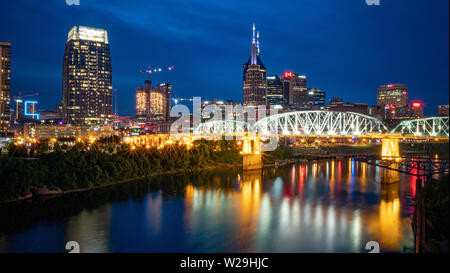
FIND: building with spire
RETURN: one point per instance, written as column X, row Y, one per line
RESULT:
column 255, row 75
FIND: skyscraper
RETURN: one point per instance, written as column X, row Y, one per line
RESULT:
column 392, row 94
column 5, row 88
column 87, row 77
column 274, row 95
column 255, row 73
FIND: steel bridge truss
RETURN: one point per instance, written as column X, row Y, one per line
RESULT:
column 432, row 126
column 320, row 123
column 220, row 127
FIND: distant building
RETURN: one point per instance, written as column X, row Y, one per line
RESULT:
column 315, row 98
column 153, row 103
column 87, row 77
column 294, row 87
column 394, row 115
column 50, row 116
column 443, row 110
column 5, row 86
column 338, row 106
column 274, row 95
column 54, row 130
column 335, row 100
column 410, row 111
column 392, row 94
column 376, row 111
column 255, row 73
column 219, row 107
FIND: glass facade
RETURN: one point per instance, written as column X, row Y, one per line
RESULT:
column 87, row 77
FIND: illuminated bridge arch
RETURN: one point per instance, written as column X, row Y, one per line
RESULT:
column 432, row 126
column 219, row 127
column 320, row 123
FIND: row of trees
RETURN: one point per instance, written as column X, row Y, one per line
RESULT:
column 85, row 166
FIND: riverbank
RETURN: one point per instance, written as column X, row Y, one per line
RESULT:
column 44, row 192
column 86, row 167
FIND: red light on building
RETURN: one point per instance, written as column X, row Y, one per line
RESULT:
column 416, row 104
column 404, row 92
column 390, row 106
column 288, row 74
column 390, row 85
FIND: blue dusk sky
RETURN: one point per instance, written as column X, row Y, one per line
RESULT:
column 345, row 47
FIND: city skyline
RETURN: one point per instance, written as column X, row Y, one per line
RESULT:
column 306, row 50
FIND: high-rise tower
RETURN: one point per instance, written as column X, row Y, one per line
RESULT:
column 87, row 77
column 5, row 92
column 153, row 103
column 255, row 76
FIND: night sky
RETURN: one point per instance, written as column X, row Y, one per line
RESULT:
column 343, row 46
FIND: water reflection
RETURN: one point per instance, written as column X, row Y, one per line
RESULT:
column 329, row 206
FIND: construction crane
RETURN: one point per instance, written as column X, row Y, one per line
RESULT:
column 19, row 104
column 149, row 71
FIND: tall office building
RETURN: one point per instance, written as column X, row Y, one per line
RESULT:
column 255, row 76
column 153, row 103
column 87, row 77
column 295, row 87
column 392, row 94
column 5, row 88
column 274, row 94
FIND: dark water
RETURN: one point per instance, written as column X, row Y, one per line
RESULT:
column 329, row 206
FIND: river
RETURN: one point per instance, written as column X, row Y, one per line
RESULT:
column 326, row 206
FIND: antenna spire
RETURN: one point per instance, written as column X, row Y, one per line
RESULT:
column 254, row 49
column 257, row 42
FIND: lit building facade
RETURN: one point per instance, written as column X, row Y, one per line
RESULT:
column 274, row 95
column 255, row 76
column 5, row 86
column 392, row 94
column 153, row 103
column 87, row 77
column 54, row 130
column 142, row 101
column 160, row 101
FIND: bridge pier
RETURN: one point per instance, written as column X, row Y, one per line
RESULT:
column 390, row 148
column 251, row 151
